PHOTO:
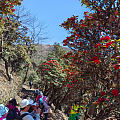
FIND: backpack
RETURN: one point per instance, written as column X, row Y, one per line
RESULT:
column 12, row 114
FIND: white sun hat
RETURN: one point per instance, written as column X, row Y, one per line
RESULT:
column 31, row 102
column 24, row 103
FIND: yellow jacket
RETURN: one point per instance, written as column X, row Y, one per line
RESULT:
column 74, row 109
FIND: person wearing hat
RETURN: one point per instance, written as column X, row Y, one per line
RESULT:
column 13, row 110
column 3, row 112
column 32, row 107
column 25, row 106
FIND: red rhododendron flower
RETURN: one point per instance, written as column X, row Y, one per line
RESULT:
column 78, row 35
column 76, row 55
column 119, row 60
column 27, row 65
column 85, row 13
column 73, row 81
column 106, row 38
column 101, row 39
column 45, row 64
column 109, row 43
column 68, row 85
column 113, row 56
column 72, row 35
column 12, row 10
column 116, row 67
column 98, row 102
column 103, row 93
column 97, row 61
column 101, row 99
column 81, row 20
column 83, row 25
column 95, row 58
column 98, row 44
column 80, row 43
column 87, row 16
column 115, row 92
column 85, row 51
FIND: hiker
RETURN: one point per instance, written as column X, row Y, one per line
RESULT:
column 25, row 114
column 30, row 84
column 46, row 107
column 39, row 98
column 36, row 92
column 32, row 108
column 3, row 112
column 13, row 110
column 74, row 112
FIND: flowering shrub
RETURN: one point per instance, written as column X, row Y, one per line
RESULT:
column 53, row 72
column 95, row 43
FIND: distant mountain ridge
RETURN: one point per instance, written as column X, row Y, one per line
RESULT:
column 43, row 50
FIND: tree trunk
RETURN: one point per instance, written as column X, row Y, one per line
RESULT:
column 25, row 76
column 7, row 68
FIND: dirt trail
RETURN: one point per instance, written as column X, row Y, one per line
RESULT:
column 27, row 87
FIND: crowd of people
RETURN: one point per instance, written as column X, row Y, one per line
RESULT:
column 27, row 109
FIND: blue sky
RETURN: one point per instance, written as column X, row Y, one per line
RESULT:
column 52, row 13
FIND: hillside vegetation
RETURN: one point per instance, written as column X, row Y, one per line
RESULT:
column 8, row 89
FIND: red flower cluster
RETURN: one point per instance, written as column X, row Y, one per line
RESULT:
column 101, row 99
column 45, row 69
column 68, row 85
column 65, row 42
column 115, row 92
column 96, row 60
column 98, row 44
column 119, row 60
column 7, row 6
column 104, row 38
column 27, row 65
column 71, row 19
column 117, row 67
column 103, row 93
column 85, row 13
column 109, row 43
